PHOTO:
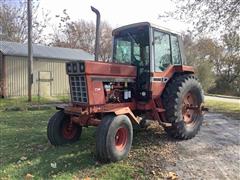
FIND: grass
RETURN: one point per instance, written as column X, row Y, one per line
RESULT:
column 25, row 150
column 224, row 96
column 22, row 102
column 228, row 108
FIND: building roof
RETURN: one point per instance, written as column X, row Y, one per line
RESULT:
column 40, row 51
column 144, row 24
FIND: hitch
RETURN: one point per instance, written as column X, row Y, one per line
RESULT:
column 200, row 108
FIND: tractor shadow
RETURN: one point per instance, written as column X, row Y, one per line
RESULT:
column 153, row 149
column 152, row 135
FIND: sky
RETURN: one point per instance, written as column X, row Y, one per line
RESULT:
column 116, row 12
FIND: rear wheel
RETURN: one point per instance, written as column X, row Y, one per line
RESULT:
column 114, row 138
column 182, row 93
column 61, row 130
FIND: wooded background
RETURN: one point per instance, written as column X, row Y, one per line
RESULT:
column 212, row 44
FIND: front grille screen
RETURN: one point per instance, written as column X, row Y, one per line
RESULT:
column 78, row 89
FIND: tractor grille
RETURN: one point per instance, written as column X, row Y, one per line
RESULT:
column 78, row 89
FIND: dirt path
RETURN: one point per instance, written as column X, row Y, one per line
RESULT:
column 213, row 154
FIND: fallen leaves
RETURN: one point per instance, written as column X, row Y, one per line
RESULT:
column 153, row 172
column 153, row 153
column 28, row 177
column 172, row 176
column 167, row 175
column 23, row 158
column 77, row 178
column 29, row 163
column 53, row 165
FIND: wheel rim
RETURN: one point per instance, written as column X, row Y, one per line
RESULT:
column 69, row 130
column 188, row 114
column 121, row 138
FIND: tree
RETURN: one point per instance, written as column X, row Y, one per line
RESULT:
column 13, row 20
column 206, row 75
column 81, row 34
column 217, row 63
column 207, row 15
column 228, row 68
column 200, row 53
column 106, row 42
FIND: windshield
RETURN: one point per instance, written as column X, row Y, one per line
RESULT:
column 131, row 46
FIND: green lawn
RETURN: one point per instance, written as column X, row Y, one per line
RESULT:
column 226, row 108
column 22, row 103
column 25, row 150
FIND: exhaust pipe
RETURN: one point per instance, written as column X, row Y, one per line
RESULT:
column 97, row 32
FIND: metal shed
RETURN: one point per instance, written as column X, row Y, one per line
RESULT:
column 49, row 76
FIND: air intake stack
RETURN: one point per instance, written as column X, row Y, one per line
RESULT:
column 97, row 32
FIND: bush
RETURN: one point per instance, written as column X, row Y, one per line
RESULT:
column 226, row 88
column 206, row 75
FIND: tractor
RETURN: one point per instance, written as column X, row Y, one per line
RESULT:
column 147, row 79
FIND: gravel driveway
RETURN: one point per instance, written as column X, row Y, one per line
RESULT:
column 213, row 154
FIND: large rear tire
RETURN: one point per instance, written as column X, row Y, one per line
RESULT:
column 183, row 91
column 114, row 138
column 61, row 130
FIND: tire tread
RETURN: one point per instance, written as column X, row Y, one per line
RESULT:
column 171, row 98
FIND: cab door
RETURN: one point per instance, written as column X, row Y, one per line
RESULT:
column 143, row 72
column 166, row 55
column 166, row 50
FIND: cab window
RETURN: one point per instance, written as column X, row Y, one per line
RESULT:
column 131, row 46
column 162, row 51
column 176, row 56
column 123, row 51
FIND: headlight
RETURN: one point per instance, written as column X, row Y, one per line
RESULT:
column 69, row 67
column 74, row 67
column 81, row 67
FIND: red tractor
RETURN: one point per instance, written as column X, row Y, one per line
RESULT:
column 146, row 80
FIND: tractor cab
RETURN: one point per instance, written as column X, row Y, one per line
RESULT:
column 151, row 49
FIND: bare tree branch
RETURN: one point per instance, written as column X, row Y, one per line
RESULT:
column 13, row 19
column 207, row 15
column 81, row 34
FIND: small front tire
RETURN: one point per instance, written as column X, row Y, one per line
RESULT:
column 61, row 130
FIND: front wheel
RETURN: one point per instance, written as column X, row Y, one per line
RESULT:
column 61, row 130
column 114, row 138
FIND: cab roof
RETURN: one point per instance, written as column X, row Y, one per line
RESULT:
column 144, row 24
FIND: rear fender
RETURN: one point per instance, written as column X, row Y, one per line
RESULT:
column 160, row 79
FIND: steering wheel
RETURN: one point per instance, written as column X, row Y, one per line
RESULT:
column 165, row 62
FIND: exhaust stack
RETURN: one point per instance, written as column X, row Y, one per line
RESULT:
column 97, row 32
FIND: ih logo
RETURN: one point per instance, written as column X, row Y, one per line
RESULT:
column 97, row 89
